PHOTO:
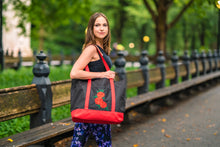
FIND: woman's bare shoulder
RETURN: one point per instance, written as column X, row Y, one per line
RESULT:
column 90, row 47
column 89, row 51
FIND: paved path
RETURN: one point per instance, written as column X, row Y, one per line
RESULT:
column 193, row 122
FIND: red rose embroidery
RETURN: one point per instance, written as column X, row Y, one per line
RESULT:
column 99, row 99
column 103, row 104
column 100, row 94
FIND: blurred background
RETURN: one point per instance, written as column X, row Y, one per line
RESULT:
column 136, row 25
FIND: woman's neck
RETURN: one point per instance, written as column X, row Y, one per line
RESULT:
column 99, row 43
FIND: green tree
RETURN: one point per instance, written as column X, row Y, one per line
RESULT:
column 47, row 16
column 159, row 13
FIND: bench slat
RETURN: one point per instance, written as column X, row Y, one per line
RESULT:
column 170, row 72
column 155, row 75
column 182, row 70
column 134, row 78
column 18, row 102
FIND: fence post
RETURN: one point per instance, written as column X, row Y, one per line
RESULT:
column 73, row 58
column 161, row 65
column 120, row 65
column 186, row 62
column 215, row 57
column 6, row 53
column 2, row 62
column 12, row 53
column 219, row 61
column 203, row 61
column 175, row 65
column 195, row 57
column 19, row 60
column 62, row 58
column 35, row 58
column 41, row 72
column 210, row 61
column 144, row 62
column 49, row 57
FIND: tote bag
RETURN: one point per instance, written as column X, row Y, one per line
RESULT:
column 100, row 101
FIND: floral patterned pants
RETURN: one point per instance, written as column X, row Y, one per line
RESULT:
column 101, row 132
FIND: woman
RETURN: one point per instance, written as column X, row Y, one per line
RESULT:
column 98, row 33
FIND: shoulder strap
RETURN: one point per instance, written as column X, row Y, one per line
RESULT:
column 103, row 60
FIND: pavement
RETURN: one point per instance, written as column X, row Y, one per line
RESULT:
column 192, row 122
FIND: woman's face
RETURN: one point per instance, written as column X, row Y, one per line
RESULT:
column 100, row 28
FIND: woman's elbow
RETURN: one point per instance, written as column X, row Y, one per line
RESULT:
column 72, row 75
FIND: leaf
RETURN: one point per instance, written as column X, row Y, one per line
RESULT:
column 188, row 139
column 132, row 103
column 163, row 130
column 10, row 140
column 166, row 135
column 216, row 133
column 186, row 115
column 197, row 138
column 135, row 145
column 164, row 120
column 66, row 124
column 133, row 113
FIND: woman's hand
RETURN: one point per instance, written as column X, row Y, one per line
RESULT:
column 109, row 74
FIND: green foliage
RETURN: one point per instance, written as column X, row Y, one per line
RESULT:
column 52, row 19
column 18, row 125
column 12, row 78
column 131, row 92
column 14, row 126
column 60, row 73
column 61, row 112
column 63, row 29
column 50, row 14
column 24, row 76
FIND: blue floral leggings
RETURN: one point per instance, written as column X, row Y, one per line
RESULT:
column 101, row 132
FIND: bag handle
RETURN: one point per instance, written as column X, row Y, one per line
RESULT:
column 90, row 83
column 103, row 60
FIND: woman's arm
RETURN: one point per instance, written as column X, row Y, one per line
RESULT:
column 88, row 54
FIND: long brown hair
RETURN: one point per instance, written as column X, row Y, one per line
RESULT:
column 90, row 37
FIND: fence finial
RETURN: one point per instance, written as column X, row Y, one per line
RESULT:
column 41, row 72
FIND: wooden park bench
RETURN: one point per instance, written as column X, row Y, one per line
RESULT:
column 26, row 100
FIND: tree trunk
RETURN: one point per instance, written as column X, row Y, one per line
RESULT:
column 161, row 29
column 185, row 37
column 159, row 17
column 142, row 34
column 202, row 34
column 193, row 42
column 120, row 18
